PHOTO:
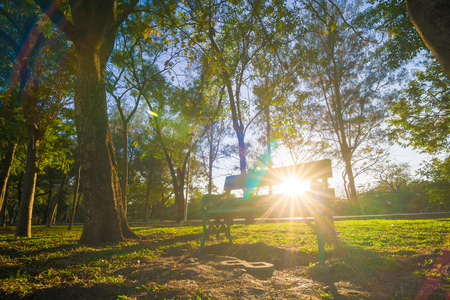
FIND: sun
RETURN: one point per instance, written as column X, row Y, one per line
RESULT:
column 293, row 187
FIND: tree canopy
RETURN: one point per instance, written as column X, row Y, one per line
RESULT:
column 154, row 90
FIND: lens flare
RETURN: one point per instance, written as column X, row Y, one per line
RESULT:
column 152, row 113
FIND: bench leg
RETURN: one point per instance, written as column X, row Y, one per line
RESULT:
column 215, row 227
column 227, row 223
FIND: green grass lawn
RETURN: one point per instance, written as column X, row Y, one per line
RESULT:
column 52, row 256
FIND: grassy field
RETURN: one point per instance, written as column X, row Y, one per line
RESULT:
column 52, row 257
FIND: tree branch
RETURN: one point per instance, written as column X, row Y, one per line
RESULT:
column 56, row 15
column 124, row 15
column 346, row 23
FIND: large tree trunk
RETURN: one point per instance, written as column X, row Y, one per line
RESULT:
column 105, row 217
column 23, row 228
column 5, row 170
column 92, row 29
column 432, row 20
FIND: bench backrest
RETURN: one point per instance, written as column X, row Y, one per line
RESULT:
column 320, row 169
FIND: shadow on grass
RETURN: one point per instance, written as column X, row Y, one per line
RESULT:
column 74, row 291
column 395, row 274
column 30, row 262
column 361, row 268
column 281, row 258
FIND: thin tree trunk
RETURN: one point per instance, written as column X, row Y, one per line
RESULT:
column 234, row 105
column 3, row 211
column 177, row 177
column 74, row 201
column 125, row 167
column 52, row 214
column 59, row 196
column 5, row 170
column 268, row 137
column 23, row 227
column 210, row 159
column 161, row 213
column 49, row 201
column 19, row 197
column 148, row 204
column 179, row 195
column 351, row 182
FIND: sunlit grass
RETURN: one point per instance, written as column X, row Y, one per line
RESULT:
column 396, row 235
column 295, row 236
column 53, row 257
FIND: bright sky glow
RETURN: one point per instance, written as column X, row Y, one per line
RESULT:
column 293, row 187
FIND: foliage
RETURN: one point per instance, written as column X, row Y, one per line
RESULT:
column 421, row 115
column 438, row 185
column 380, row 201
column 400, row 40
column 396, row 192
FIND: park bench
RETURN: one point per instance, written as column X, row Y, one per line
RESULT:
column 219, row 211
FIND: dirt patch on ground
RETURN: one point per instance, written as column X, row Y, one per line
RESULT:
column 181, row 273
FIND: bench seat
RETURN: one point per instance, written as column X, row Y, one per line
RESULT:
column 218, row 211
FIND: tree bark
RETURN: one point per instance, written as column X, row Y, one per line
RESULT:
column 432, row 21
column 105, row 217
column 23, row 227
column 6, row 169
column 75, row 197
column 93, row 29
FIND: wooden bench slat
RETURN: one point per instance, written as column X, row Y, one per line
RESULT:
column 236, row 210
column 276, row 176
